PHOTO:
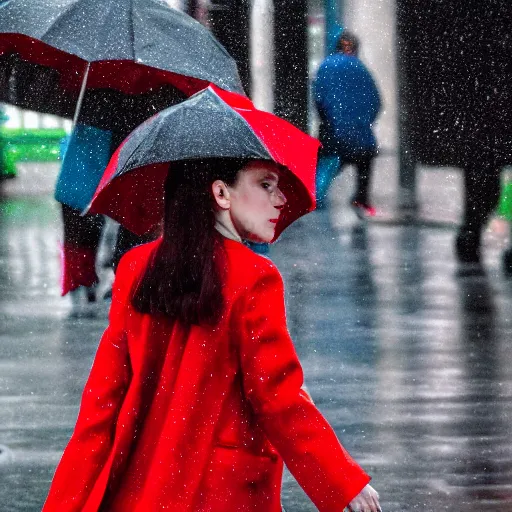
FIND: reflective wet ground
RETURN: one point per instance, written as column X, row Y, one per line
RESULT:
column 411, row 364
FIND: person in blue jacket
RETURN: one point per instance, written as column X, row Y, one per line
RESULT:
column 85, row 155
column 348, row 102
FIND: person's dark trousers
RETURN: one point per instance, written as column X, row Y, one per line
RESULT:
column 81, row 230
column 127, row 240
column 363, row 164
column 481, row 196
column 80, row 246
column 330, row 165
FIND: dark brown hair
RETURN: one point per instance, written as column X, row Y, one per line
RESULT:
column 183, row 279
column 347, row 37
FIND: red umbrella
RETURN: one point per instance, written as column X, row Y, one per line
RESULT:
column 211, row 124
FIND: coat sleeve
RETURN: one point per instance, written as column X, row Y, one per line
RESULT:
column 272, row 378
column 91, row 442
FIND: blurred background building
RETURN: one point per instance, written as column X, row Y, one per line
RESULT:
column 279, row 44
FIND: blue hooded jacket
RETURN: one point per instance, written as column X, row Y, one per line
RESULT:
column 348, row 102
column 85, row 159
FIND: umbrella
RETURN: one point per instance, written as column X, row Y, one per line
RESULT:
column 119, row 57
column 211, row 124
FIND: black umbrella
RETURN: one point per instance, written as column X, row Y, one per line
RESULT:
column 116, row 59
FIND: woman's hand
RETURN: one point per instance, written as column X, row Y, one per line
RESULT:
column 366, row 501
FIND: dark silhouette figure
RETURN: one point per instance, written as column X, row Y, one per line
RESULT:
column 456, row 99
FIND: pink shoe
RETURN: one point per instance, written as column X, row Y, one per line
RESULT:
column 362, row 210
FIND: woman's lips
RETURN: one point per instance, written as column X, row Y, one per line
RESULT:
column 274, row 221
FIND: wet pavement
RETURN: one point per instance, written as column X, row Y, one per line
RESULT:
column 411, row 363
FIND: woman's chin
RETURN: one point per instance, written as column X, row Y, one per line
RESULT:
column 260, row 238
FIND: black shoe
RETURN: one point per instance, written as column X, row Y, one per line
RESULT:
column 467, row 247
column 91, row 293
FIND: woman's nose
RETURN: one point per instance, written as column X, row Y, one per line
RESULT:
column 280, row 199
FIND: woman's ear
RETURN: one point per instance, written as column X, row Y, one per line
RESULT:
column 221, row 194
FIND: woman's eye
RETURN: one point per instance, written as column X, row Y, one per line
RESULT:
column 265, row 185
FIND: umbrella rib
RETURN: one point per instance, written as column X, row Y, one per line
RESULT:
column 252, row 130
column 81, row 95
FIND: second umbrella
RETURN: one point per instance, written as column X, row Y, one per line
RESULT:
column 129, row 57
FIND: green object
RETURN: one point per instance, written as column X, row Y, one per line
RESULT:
column 28, row 145
column 505, row 204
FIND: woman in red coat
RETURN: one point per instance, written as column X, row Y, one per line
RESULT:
column 195, row 397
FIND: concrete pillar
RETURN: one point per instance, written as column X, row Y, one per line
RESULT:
column 291, row 61
column 177, row 4
column 262, row 54
column 229, row 23
column 373, row 21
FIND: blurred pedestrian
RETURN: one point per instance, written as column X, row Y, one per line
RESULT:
column 85, row 158
column 195, row 397
column 348, row 102
column 482, row 108
column 481, row 197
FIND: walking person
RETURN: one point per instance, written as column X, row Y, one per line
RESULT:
column 348, row 103
column 195, row 398
column 85, row 158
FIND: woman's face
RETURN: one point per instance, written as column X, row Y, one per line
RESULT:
column 256, row 201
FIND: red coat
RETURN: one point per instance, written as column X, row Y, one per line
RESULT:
column 200, row 419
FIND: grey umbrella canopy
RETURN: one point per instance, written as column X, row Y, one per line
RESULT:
column 212, row 124
column 202, row 127
column 124, row 48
